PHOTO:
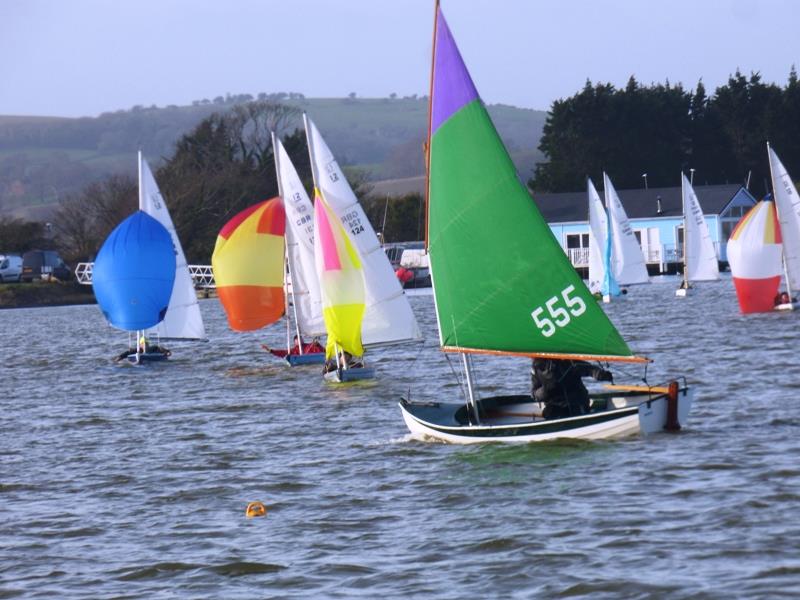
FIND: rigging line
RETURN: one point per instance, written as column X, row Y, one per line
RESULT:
column 458, row 377
column 413, row 366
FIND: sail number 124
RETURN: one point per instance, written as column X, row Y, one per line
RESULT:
column 558, row 315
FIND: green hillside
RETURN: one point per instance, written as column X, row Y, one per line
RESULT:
column 43, row 159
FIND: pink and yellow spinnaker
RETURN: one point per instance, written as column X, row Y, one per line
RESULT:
column 248, row 264
column 754, row 255
column 341, row 281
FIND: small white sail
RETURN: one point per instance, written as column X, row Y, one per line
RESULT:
column 787, row 202
column 598, row 225
column 388, row 317
column 183, row 320
column 627, row 258
column 300, row 246
column 700, row 256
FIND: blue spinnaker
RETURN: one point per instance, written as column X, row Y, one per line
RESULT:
column 134, row 273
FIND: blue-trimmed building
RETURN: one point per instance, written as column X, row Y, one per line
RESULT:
column 656, row 215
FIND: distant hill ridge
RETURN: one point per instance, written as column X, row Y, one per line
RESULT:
column 44, row 158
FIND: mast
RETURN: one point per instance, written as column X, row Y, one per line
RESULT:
column 141, row 187
column 287, row 262
column 777, row 211
column 141, row 207
column 685, row 231
column 472, row 399
column 430, row 122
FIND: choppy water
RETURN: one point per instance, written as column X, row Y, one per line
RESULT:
column 128, row 482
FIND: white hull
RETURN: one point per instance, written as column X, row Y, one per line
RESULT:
column 787, row 306
column 631, row 415
column 681, row 292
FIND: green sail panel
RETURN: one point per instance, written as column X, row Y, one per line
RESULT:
column 501, row 280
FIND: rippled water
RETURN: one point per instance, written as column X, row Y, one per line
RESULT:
column 131, row 482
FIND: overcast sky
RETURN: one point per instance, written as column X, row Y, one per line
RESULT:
column 84, row 57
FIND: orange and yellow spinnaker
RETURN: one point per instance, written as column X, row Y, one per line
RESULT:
column 248, row 264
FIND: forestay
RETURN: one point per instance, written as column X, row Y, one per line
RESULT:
column 501, row 281
column 388, row 316
column 183, row 320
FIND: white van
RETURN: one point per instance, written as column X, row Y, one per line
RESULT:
column 10, row 268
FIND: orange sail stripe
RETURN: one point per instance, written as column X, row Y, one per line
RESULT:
column 250, row 307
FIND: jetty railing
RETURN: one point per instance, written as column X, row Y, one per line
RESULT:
column 202, row 275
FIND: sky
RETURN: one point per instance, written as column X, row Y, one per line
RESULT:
column 84, row 57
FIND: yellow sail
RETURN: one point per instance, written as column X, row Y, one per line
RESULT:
column 341, row 281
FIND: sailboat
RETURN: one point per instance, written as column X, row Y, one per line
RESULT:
column 133, row 278
column 754, row 255
column 601, row 277
column 699, row 256
column 626, row 258
column 341, row 281
column 183, row 320
column 787, row 204
column 302, row 285
column 388, row 317
column 529, row 301
column 264, row 255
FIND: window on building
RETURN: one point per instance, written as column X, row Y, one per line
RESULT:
column 577, row 240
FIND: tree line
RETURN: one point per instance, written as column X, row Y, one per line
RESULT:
column 225, row 164
column 663, row 129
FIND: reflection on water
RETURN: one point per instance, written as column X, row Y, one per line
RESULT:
column 132, row 481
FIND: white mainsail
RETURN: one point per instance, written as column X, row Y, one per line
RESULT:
column 787, row 203
column 388, row 317
column 183, row 319
column 628, row 264
column 700, row 257
column 299, row 245
column 598, row 225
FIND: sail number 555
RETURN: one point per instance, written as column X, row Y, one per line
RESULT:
column 558, row 315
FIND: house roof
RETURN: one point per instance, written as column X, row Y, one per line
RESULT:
column 572, row 206
column 638, row 203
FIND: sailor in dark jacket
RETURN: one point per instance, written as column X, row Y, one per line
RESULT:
column 557, row 383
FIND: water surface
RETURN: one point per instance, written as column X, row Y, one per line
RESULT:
column 131, row 482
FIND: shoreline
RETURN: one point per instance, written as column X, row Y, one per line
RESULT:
column 43, row 294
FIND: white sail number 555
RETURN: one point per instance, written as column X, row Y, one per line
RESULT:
column 558, row 314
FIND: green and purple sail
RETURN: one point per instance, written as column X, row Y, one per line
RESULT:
column 502, row 283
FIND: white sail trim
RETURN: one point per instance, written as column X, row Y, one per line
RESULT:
column 787, row 202
column 300, row 247
column 183, row 319
column 388, row 317
column 627, row 259
column 701, row 257
column 598, row 225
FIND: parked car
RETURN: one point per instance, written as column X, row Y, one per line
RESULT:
column 10, row 267
column 43, row 264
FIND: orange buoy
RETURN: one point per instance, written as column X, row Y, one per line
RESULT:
column 255, row 509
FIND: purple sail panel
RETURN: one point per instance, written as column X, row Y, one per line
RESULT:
column 452, row 85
